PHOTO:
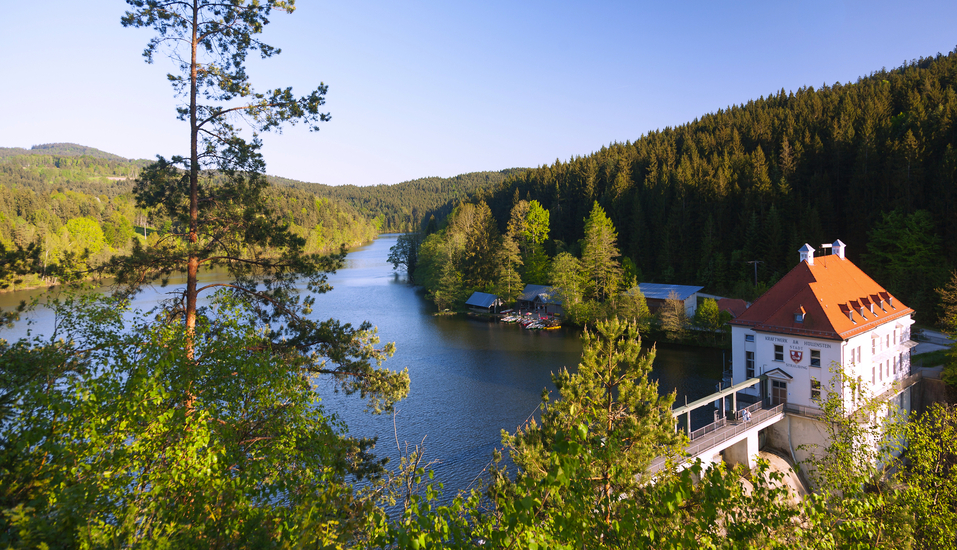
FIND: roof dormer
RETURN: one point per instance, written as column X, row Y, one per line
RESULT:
column 837, row 249
column 799, row 315
column 807, row 254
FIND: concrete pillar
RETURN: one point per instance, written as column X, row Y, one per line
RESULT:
column 744, row 451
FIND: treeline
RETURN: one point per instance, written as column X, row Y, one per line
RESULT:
column 76, row 204
column 467, row 254
column 871, row 162
column 400, row 206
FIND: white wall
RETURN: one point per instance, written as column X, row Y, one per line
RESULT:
column 879, row 349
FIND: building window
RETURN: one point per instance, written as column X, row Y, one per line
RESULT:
column 779, row 353
column 888, row 367
column 874, row 346
column 895, row 365
column 798, row 317
column 873, row 375
column 888, row 341
column 815, row 358
column 749, row 338
column 749, row 364
column 858, row 354
column 880, row 372
column 815, row 389
column 895, row 336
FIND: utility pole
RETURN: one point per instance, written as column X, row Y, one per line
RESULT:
column 755, row 264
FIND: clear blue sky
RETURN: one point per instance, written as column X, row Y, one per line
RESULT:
column 438, row 88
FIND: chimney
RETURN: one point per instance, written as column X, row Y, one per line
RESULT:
column 838, row 248
column 807, row 254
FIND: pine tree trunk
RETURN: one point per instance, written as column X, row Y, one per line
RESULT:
column 192, row 268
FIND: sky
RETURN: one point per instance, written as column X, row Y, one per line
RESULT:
column 438, row 88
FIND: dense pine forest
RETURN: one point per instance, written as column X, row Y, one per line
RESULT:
column 68, row 197
column 872, row 163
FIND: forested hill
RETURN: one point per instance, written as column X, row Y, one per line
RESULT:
column 67, row 150
column 872, row 163
column 70, row 198
column 403, row 206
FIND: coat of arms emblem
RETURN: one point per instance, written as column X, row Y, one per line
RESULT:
column 796, row 355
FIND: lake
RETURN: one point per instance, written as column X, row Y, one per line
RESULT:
column 470, row 378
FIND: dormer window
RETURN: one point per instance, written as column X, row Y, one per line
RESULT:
column 849, row 311
column 856, row 306
column 799, row 315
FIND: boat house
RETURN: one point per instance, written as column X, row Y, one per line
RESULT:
column 480, row 302
column 540, row 297
column 656, row 294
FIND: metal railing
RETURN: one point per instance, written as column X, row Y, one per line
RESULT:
column 729, row 431
column 752, row 408
column 803, row 410
column 714, row 426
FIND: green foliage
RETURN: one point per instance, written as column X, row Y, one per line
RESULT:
column 123, row 439
column 536, row 223
column 904, row 253
column 462, row 257
column 611, row 398
column 631, row 305
column 931, row 480
column 948, row 300
column 40, row 193
column 672, row 317
column 404, row 207
column 405, row 253
column 599, row 253
column 863, row 434
column 508, row 285
column 755, row 181
column 86, row 234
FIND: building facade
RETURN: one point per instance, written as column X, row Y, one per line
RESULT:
column 824, row 318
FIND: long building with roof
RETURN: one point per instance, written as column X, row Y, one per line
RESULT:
column 823, row 316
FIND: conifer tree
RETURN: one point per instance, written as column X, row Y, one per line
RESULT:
column 509, row 283
column 213, row 195
column 600, row 253
column 627, row 421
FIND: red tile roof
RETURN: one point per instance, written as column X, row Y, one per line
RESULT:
column 734, row 306
column 831, row 293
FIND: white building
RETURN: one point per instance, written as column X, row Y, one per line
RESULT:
column 825, row 314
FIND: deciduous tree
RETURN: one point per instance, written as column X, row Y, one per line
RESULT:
column 405, row 253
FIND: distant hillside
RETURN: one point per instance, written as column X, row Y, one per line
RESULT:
column 404, row 206
column 67, row 199
column 399, row 207
column 61, row 149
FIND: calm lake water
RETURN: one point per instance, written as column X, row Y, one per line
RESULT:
column 470, row 378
